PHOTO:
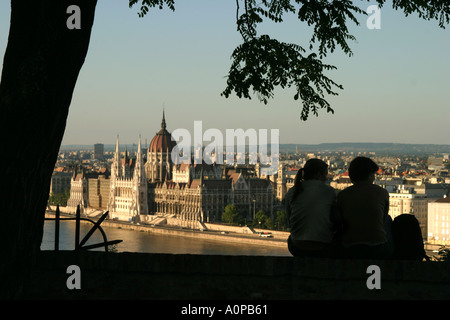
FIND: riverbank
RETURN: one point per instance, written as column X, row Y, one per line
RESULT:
column 221, row 233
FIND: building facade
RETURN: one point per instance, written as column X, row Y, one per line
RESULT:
column 128, row 195
column 204, row 199
column 98, row 190
column 159, row 160
column 415, row 199
column 438, row 221
column 188, row 192
column 60, row 182
column 99, row 151
column 79, row 195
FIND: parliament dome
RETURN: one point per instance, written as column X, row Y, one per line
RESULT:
column 162, row 141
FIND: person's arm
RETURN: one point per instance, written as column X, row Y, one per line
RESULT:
column 386, row 201
column 287, row 205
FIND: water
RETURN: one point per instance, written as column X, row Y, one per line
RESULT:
column 137, row 241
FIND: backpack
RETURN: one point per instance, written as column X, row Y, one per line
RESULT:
column 407, row 238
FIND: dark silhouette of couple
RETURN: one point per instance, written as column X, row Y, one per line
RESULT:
column 353, row 223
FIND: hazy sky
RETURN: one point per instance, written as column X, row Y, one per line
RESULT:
column 396, row 85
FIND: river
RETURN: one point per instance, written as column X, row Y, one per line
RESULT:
column 137, row 241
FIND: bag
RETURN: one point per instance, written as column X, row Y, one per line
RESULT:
column 407, row 238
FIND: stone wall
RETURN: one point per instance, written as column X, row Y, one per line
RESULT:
column 190, row 277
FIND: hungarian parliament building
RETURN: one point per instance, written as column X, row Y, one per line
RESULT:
column 149, row 185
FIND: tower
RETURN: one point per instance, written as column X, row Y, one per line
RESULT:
column 115, row 174
column 140, row 194
column 159, row 161
column 281, row 183
column 128, row 186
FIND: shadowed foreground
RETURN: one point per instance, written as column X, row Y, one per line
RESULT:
column 167, row 276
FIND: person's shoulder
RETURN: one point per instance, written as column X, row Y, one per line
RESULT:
column 290, row 191
column 379, row 188
column 348, row 189
column 379, row 191
column 288, row 194
column 344, row 192
column 329, row 189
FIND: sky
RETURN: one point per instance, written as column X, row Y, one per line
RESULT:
column 396, row 85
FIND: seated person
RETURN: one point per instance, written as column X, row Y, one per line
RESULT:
column 309, row 205
column 363, row 210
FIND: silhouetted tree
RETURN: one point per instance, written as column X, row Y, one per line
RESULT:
column 261, row 63
column 41, row 65
column 43, row 59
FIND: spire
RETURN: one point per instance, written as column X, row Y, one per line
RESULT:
column 139, row 146
column 116, row 161
column 139, row 171
column 117, row 143
column 163, row 122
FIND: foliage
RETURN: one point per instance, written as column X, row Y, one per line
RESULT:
column 261, row 63
column 263, row 220
column 59, row 198
column 281, row 220
column 260, row 219
column 147, row 4
column 231, row 215
column 426, row 9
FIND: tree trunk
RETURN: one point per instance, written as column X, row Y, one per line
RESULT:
column 41, row 65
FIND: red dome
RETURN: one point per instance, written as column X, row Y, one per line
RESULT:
column 162, row 141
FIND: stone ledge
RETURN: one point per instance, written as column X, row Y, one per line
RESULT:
column 167, row 276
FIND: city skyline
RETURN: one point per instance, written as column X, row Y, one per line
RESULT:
column 395, row 84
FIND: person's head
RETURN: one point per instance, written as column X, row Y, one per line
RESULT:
column 314, row 169
column 362, row 169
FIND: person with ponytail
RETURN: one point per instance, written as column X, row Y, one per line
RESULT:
column 311, row 211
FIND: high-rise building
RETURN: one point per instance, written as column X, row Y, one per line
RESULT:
column 99, row 151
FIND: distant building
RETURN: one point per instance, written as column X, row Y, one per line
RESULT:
column 284, row 181
column 190, row 193
column 341, row 181
column 435, row 163
column 60, row 181
column 128, row 186
column 99, row 192
column 433, row 190
column 78, row 191
column 405, row 200
column 413, row 199
column 438, row 221
column 99, row 152
column 159, row 160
